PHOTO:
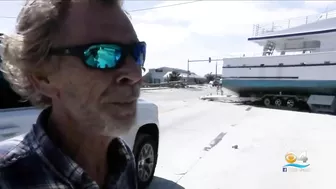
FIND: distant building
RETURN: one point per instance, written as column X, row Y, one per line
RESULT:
column 160, row 75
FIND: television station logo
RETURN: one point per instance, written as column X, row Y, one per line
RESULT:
column 295, row 162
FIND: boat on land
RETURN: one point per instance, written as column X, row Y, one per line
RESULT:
column 298, row 60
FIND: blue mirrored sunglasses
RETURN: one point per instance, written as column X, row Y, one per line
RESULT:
column 105, row 55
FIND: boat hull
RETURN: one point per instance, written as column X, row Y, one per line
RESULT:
column 245, row 87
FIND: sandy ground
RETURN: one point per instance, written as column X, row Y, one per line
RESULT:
column 197, row 138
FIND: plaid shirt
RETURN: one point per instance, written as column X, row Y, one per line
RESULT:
column 34, row 162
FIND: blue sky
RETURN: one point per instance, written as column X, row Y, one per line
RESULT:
column 199, row 30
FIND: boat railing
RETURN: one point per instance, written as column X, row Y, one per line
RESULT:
column 261, row 29
column 276, row 53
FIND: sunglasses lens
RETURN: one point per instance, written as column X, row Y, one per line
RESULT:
column 139, row 53
column 103, row 56
column 106, row 56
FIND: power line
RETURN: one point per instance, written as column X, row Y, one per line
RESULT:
column 139, row 10
column 165, row 6
column 7, row 16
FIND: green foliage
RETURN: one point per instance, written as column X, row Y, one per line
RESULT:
column 174, row 76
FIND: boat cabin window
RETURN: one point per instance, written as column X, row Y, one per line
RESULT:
column 8, row 98
column 295, row 47
column 311, row 44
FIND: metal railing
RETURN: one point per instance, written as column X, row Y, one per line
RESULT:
column 260, row 29
column 276, row 53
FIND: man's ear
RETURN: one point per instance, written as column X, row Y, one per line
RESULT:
column 42, row 84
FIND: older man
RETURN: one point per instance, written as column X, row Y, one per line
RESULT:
column 81, row 61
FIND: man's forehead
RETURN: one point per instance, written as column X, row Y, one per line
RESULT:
column 89, row 22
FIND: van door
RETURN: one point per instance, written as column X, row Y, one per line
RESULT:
column 16, row 115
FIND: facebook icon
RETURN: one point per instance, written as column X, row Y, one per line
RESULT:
column 284, row 169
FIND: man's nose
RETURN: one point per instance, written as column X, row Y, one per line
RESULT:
column 129, row 72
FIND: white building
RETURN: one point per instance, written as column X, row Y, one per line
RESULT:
column 160, row 75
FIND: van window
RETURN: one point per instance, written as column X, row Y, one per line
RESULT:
column 8, row 98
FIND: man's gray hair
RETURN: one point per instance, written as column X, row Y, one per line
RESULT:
column 23, row 52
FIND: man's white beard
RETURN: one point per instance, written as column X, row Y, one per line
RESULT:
column 101, row 123
column 115, row 128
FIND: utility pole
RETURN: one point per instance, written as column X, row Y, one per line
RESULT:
column 208, row 60
column 216, row 69
column 222, row 68
column 187, row 72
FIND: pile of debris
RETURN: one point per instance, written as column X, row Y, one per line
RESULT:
column 177, row 85
column 172, row 84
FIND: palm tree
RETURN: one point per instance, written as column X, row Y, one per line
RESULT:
column 209, row 77
column 174, row 76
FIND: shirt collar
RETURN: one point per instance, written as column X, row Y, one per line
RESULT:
column 52, row 154
column 118, row 153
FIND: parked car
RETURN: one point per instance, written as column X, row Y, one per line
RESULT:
column 17, row 118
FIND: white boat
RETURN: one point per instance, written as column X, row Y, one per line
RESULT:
column 296, row 58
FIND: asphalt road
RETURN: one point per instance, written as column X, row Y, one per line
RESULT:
column 188, row 127
column 218, row 145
